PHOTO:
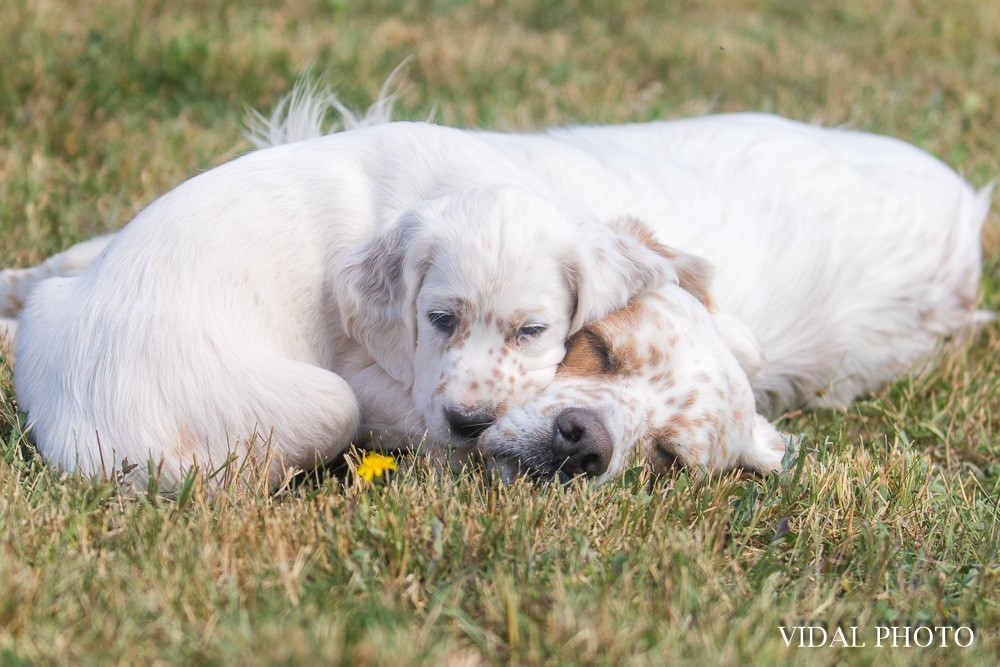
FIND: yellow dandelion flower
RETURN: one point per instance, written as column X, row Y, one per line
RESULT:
column 374, row 465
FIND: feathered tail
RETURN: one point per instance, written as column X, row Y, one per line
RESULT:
column 304, row 113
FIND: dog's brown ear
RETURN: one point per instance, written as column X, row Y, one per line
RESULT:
column 612, row 264
column 376, row 288
column 694, row 273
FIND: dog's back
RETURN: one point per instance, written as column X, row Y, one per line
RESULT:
column 848, row 255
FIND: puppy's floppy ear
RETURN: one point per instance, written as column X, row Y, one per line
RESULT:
column 617, row 262
column 376, row 289
column 694, row 274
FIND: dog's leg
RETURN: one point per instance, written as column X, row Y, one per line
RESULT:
column 258, row 420
column 309, row 414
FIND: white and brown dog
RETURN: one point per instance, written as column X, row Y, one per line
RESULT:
column 411, row 278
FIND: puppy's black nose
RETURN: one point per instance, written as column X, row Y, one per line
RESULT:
column 581, row 445
column 468, row 423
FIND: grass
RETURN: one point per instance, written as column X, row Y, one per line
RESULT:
column 890, row 516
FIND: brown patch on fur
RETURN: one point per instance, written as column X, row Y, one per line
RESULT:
column 509, row 327
column 665, row 379
column 738, row 415
column 587, row 355
column 619, row 327
column 13, row 306
column 655, row 355
column 626, row 357
column 463, row 313
column 552, row 409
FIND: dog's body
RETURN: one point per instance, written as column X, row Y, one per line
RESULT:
column 408, row 277
column 247, row 310
column 848, row 255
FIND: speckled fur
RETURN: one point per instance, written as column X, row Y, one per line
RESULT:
column 657, row 373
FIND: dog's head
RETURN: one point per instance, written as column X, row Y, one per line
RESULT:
column 470, row 298
column 658, row 372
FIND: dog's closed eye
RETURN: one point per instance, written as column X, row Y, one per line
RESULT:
column 663, row 458
column 529, row 332
column 588, row 354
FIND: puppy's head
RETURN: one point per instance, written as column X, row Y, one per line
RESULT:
column 658, row 372
column 470, row 298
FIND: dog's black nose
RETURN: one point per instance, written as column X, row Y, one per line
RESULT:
column 581, row 445
column 469, row 422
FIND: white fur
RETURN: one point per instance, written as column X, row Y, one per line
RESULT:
column 17, row 284
column 285, row 299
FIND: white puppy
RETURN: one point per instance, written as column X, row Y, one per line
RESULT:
column 247, row 311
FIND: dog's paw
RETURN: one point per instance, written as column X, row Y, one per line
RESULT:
column 767, row 448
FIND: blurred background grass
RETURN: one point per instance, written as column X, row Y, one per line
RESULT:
column 104, row 105
column 892, row 518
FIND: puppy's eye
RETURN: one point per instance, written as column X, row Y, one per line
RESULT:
column 530, row 331
column 443, row 321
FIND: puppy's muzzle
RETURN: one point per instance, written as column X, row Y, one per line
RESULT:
column 581, row 445
column 469, row 422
